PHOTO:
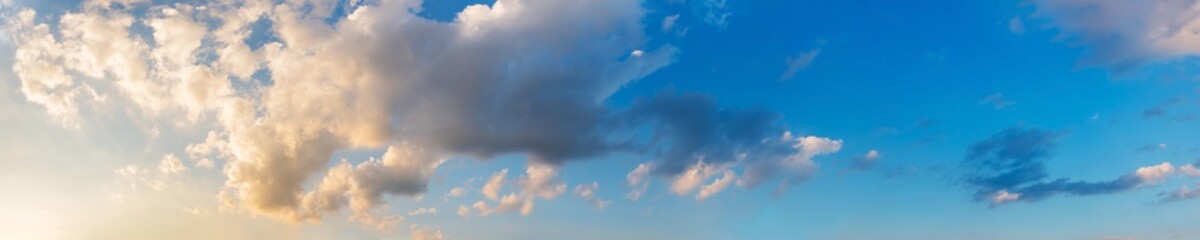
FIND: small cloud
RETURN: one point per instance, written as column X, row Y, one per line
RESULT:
column 799, row 62
column 588, row 193
column 419, row 233
column 997, row 101
column 456, row 192
column 1016, row 26
column 1160, row 109
column 171, row 164
column 637, row 53
column 669, row 22
column 1003, row 196
column 423, row 211
column 1151, row 148
column 638, row 181
column 866, row 161
column 925, row 122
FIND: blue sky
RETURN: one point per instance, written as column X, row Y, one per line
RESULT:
column 727, row 119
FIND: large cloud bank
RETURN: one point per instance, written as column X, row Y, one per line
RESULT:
column 518, row 76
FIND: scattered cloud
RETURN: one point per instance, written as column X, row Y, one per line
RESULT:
column 421, row 233
column 588, row 193
column 423, row 211
column 638, row 181
column 799, row 62
column 171, row 165
column 716, row 13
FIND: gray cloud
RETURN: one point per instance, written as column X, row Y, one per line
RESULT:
column 1010, row 166
column 1123, row 35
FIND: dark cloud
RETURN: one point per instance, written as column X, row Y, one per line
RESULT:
column 691, row 125
column 1010, row 166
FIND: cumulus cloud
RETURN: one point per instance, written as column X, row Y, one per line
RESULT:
column 539, row 181
column 1125, row 34
column 171, row 164
column 1010, row 167
column 403, row 170
column 504, row 78
column 423, row 233
column 494, row 185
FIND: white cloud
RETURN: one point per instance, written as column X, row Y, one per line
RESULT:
column 508, row 203
column 1002, row 197
column 588, row 193
column 1155, row 174
column 456, row 192
column 423, row 211
column 541, row 181
column 716, row 186
column 494, row 185
column 638, row 181
column 171, row 165
column 419, row 233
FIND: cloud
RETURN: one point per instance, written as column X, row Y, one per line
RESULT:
column 541, row 181
column 716, row 186
column 1160, row 109
column 1009, row 167
column 866, row 161
column 638, row 181
column 506, row 78
column 1123, row 35
column 420, row 233
column 171, row 165
column 1183, row 193
column 1151, row 148
column 423, row 211
column 1016, row 26
column 456, row 192
column 668, row 22
column 403, row 170
column 799, row 62
column 494, row 185
column 997, row 101
column 716, row 13
column 588, row 193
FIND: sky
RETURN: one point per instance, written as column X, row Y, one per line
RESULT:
column 599, row 119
